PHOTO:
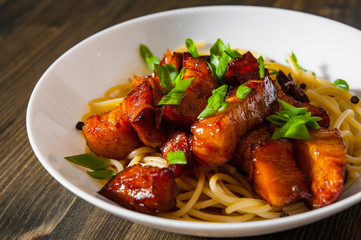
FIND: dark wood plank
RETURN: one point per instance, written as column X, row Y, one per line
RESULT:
column 33, row 34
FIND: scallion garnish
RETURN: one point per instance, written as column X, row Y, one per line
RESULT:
column 148, row 56
column 175, row 96
column 294, row 122
column 216, row 102
column 221, row 55
column 177, row 157
column 89, row 160
column 102, row 174
column 176, row 87
column 167, row 74
column 260, row 61
column 243, row 91
column 295, row 60
column 340, row 83
column 192, row 49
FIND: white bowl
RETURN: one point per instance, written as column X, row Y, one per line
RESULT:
column 86, row 71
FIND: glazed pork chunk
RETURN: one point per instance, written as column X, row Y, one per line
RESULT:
column 270, row 167
column 323, row 160
column 139, row 107
column 197, row 94
column 215, row 138
column 274, row 173
column 142, row 188
column 178, row 141
column 110, row 134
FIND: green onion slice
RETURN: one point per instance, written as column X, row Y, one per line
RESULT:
column 167, row 74
column 220, row 56
column 178, row 157
column 340, row 83
column 102, row 174
column 89, row 160
column 148, row 56
column 260, row 61
column 175, row 96
column 192, row 49
column 243, row 91
column 294, row 122
column 216, row 102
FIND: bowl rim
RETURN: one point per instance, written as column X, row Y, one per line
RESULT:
column 171, row 224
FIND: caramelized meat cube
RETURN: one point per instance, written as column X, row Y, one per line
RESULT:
column 175, row 59
column 275, row 175
column 139, row 108
column 242, row 158
column 242, row 69
column 197, row 94
column 215, row 138
column 154, row 86
column 144, row 189
column 178, row 141
column 290, row 88
column 323, row 160
column 110, row 134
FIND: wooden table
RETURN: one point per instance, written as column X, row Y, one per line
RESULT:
column 33, row 34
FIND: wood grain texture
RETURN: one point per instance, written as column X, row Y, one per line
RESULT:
column 35, row 33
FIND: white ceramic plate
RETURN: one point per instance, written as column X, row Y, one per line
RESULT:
column 86, row 71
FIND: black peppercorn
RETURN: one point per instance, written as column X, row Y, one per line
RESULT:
column 355, row 99
column 79, row 125
column 303, row 86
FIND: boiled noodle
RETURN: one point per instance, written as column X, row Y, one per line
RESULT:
column 221, row 194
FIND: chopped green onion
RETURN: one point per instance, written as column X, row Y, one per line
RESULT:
column 220, row 56
column 294, row 58
column 243, row 91
column 216, row 102
column 175, row 96
column 102, row 174
column 285, row 105
column 294, row 122
column 233, row 53
column 148, row 56
column 89, row 160
column 178, row 157
column 260, row 61
column 167, row 74
column 192, row 49
column 340, row 83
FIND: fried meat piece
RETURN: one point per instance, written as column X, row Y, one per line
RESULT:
column 110, row 134
column 175, row 59
column 139, row 107
column 215, row 138
column 142, row 188
column 323, row 160
column 178, row 141
column 242, row 157
column 197, row 94
column 275, row 175
column 242, row 69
